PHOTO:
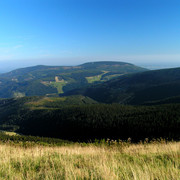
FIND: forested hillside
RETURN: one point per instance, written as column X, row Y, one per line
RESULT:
column 87, row 121
column 53, row 80
column 138, row 88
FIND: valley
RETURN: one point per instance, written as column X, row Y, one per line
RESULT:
column 89, row 90
column 65, row 122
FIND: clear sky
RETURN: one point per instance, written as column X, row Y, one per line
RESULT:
column 65, row 32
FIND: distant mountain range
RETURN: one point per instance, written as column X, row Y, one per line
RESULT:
column 156, row 87
column 105, row 82
column 53, row 80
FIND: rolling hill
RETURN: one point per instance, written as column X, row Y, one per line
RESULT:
column 79, row 118
column 138, row 88
column 53, row 80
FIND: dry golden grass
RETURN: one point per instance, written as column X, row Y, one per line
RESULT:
column 141, row 162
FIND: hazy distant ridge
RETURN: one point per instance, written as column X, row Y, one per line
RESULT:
column 42, row 80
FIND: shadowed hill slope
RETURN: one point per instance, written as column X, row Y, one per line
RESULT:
column 136, row 88
column 80, row 118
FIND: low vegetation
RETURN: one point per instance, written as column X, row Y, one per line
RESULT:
column 59, row 86
column 93, row 79
column 106, row 160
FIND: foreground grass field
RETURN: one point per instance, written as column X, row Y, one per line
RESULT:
column 158, row 160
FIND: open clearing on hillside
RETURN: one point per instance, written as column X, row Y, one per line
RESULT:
column 93, row 79
column 59, row 85
column 141, row 161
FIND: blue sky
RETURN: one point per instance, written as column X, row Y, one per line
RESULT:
column 65, row 32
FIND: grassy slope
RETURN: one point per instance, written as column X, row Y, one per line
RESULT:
column 59, row 86
column 93, row 79
column 142, row 162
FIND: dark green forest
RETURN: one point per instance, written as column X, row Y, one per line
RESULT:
column 89, row 121
column 103, row 121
